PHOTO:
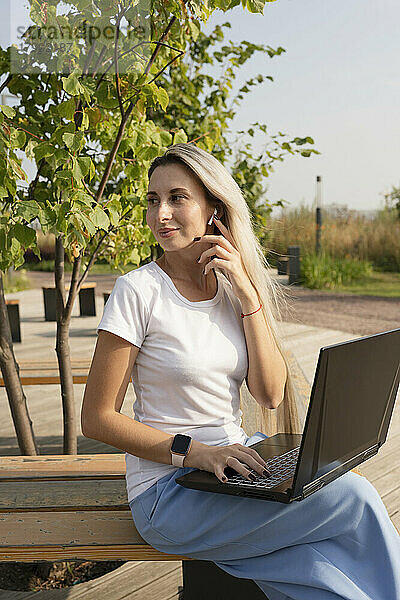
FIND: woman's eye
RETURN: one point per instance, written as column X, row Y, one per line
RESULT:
column 150, row 200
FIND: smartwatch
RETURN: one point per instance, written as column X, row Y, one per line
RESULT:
column 180, row 447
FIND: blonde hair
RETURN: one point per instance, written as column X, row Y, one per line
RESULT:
column 221, row 188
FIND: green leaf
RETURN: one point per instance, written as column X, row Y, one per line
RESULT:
column 91, row 229
column 73, row 140
column 166, row 138
column 17, row 138
column 148, row 152
column 71, row 85
column 137, row 213
column 114, row 214
column 134, row 257
column 67, row 109
column 8, row 111
column 42, row 150
column 100, row 218
column 24, row 234
column 76, row 169
column 255, row 6
column 180, row 136
column 82, row 198
column 28, row 210
column 84, row 164
column 162, row 98
column 47, row 217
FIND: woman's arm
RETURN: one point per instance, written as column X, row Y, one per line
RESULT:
column 105, row 390
column 266, row 375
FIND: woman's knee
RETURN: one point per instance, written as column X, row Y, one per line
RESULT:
column 358, row 487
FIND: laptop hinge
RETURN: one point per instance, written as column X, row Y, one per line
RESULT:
column 312, row 487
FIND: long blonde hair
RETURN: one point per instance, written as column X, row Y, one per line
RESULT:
column 221, row 188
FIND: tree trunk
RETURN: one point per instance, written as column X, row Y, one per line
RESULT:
column 63, row 314
column 15, row 393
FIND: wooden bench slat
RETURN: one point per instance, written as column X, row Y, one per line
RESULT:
column 47, row 373
column 45, row 380
column 62, row 465
column 74, row 534
column 35, row 365
column 114, row 552
column 52, row 496
column 69, row 528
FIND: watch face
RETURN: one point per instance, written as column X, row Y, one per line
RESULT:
column 181, row 444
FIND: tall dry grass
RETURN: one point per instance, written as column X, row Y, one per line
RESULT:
column 343, row 235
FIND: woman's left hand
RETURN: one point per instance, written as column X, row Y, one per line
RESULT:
column 225, row 256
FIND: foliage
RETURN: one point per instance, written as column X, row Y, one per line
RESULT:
column 392, row 201
column 91, row 139
column 344, row 234
column 16, row 282
column 323, row 271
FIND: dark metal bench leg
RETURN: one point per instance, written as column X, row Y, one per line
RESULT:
column 204, row 580
column 87, row 304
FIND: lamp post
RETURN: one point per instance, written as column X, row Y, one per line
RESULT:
column 318, row 214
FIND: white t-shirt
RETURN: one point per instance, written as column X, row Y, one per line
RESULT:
column 190, row 367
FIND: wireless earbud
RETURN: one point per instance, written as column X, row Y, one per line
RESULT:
column 212, row 217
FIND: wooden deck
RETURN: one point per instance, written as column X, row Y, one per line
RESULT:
column 143, row 579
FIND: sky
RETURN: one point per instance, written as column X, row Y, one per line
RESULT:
column 338, row 82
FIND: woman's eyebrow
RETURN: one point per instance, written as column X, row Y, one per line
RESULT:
column 171, row 190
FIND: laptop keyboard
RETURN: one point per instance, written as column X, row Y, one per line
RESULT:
column 281, row 467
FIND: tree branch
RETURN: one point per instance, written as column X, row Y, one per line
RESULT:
column 96, row 251
column 124, row 121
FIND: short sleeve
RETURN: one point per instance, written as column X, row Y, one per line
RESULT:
column 125, row 313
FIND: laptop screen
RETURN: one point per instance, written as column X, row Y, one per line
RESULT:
column 351, row 403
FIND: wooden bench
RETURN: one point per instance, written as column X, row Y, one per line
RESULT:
column 72, row 507
column 47, row 372
column 66, row 507
column 87, row 304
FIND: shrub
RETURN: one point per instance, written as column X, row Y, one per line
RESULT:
column 323, row 271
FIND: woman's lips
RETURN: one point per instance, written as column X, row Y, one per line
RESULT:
column 168, row 233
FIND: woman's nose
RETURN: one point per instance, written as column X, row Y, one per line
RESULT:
column 164, row 210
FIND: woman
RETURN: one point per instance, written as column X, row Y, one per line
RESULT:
column 190, row 327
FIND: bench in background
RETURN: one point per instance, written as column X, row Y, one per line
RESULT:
column 14, row 320
column 87, row 304
column 47, row 372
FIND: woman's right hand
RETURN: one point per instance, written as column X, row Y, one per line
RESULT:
column 215, row 459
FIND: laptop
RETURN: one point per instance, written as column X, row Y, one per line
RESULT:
column 349, row 412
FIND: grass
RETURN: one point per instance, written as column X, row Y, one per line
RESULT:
column 101, row 269
column 378, row 283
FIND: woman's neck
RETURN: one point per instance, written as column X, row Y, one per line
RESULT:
column 193, row 276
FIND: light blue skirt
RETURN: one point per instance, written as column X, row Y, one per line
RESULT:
column 339, row 543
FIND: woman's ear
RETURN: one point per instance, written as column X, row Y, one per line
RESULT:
column 220, row 212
